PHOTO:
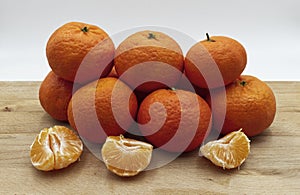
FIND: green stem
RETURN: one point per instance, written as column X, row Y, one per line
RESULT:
column 151, row 36
column 85, row 29
column 208, row 38
column 243, row 83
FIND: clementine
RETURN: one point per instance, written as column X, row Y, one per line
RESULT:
column 216, row 61
column 187, row 119
column 149, row 60
column 82, row 49
column 250, row 105
column 102, row 108
column 54, row 95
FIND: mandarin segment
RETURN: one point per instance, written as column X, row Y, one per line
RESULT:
column 41, row 154
column 55, row 148
column 228, row 152
column 65, row 145
column 124, row 156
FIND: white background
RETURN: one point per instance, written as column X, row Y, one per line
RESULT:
column 269, row 30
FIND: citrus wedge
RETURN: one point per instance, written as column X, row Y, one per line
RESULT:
column 228, row 152
column 124, row 156
column 55, row 148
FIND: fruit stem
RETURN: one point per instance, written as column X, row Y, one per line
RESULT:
column 208, row 38
column 85, row 29
column 243, row 83
column 151, row 36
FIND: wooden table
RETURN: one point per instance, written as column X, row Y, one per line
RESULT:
column 272, row 168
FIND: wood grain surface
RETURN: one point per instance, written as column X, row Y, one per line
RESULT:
column 272, row 167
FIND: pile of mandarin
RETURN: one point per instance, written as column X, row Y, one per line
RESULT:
column 146, row 94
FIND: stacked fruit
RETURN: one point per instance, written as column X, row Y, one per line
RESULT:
column 146, row 84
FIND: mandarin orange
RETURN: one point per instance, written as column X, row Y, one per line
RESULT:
column 55, row 94
column 102, row 108
column 187, row 119
column 250, row 105
column 149, row 60
column 216, row 61
column 80, row 52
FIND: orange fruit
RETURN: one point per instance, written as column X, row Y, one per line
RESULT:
column 126, row 157
column 217, row 55
column 187, row 119
column 55, row 148
column 151, row 57
column 54, row 95
column 228, row 152
column 102, row 108
column 250, row 105
column 80, row 48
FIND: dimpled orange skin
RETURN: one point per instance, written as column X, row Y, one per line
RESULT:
column 96, row 97
column 54, row 95
column 170, row 101
column 70, row 44
column 250, row 105
column 153, row 47
column 228, row 54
